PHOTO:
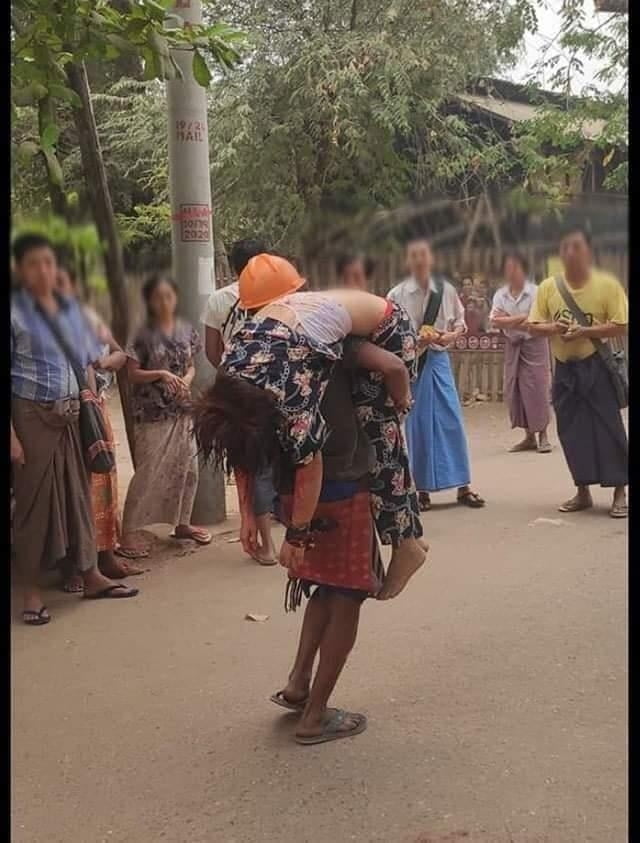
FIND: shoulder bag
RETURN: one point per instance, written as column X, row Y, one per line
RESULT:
column 615, row 361
column 98, row 451
column 430, row 315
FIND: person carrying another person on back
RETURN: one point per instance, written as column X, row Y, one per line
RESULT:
column 288, row 349
column 53, row 520
column 527, row 365
column 580, row 311
column 435, row 427
column 221, row 319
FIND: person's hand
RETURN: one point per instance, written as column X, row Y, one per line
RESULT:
column 398, row 385
column 575, row 332
column 174, row 384
column 17, row 453
column 448, row 338
column 426, row 341
column 249, row 534
column 291, row 557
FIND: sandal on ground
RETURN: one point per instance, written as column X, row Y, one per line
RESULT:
column 332, row 728
column 198, row 536
column 545, row 448
column 279, row 699
column 619, row 510
column 36, row 618
column 575, row 505
column 471, row 499
column 424, row 501
column 117, row 591
column 131, row 552
column 525, row 445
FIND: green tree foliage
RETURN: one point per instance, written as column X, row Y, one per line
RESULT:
column 48, row 35
column 339, row 110
column 552, row 146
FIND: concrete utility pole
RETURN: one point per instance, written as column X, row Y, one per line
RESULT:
column 191, row 229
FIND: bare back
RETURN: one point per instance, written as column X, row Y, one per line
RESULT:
column 329, row 315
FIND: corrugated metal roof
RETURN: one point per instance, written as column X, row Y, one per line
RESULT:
column 518, row 112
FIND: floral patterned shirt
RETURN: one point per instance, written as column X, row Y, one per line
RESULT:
column 155, row 350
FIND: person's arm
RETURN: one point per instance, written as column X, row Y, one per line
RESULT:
column 606, row 331
column 17, row 452
column 248, row 524
column 459, row 326
column 213, row 345
column 366, row 355
column 137, row 375
column 502, row 320
column 115, row 359
column 540, row 323
column 306, row 494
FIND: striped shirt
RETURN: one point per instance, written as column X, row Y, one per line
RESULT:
column 40, row 370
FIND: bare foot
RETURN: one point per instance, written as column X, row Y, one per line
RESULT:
column 333, row 724
column 408, row 558
column 196, row 534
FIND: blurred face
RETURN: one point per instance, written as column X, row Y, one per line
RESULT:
column 514, row 273
column 354, row 276
column 482, row 288
column 38, row 271
column 467, row 286
column 163, row 301
column 419, row 260
column 575, row 253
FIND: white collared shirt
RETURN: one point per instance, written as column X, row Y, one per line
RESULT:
column 514, row 306
column 413, row 298
column 219, row 307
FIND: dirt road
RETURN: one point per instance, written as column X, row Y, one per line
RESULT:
column 495, row 689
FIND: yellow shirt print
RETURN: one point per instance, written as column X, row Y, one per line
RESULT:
column 602, row 300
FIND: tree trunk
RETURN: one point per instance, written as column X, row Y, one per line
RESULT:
column 47, row 117
column 98, row 188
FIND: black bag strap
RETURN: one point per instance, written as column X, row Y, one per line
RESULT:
column 601, row 347
column 433, row 305
column 78, row 370
column 233, row 312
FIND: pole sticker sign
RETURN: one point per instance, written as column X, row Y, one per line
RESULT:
column 195, row 223
column 190, row 131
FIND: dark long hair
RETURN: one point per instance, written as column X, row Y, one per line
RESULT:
column 236, row 424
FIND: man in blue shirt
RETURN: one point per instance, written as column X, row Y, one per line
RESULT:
column 53, row 518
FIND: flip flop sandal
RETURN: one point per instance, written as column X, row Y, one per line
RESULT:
column 192, row 538
column 545, row 449
column 521, row 448
column 33, row 618
column 279, row 699
column 619, row 510
column 575, row 506
column 331, row 730
column 131, row 553
column 424, row 502
column 471, row 499
column 118, row 591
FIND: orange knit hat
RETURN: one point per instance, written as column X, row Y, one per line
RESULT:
column 266, row 278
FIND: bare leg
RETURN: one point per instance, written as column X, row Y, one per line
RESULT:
column 619, row 508
column 544, row 446
column 582, row 500
column 266, row 554
column 336, row 644
column 406, row 559
column 315, row 621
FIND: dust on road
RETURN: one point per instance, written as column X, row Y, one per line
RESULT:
column 495, row 689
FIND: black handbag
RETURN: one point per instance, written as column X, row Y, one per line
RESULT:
column 615, row 361
column 430, row 316
column 99, row 454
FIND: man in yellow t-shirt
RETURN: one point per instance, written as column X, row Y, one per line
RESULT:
column 590, row 427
